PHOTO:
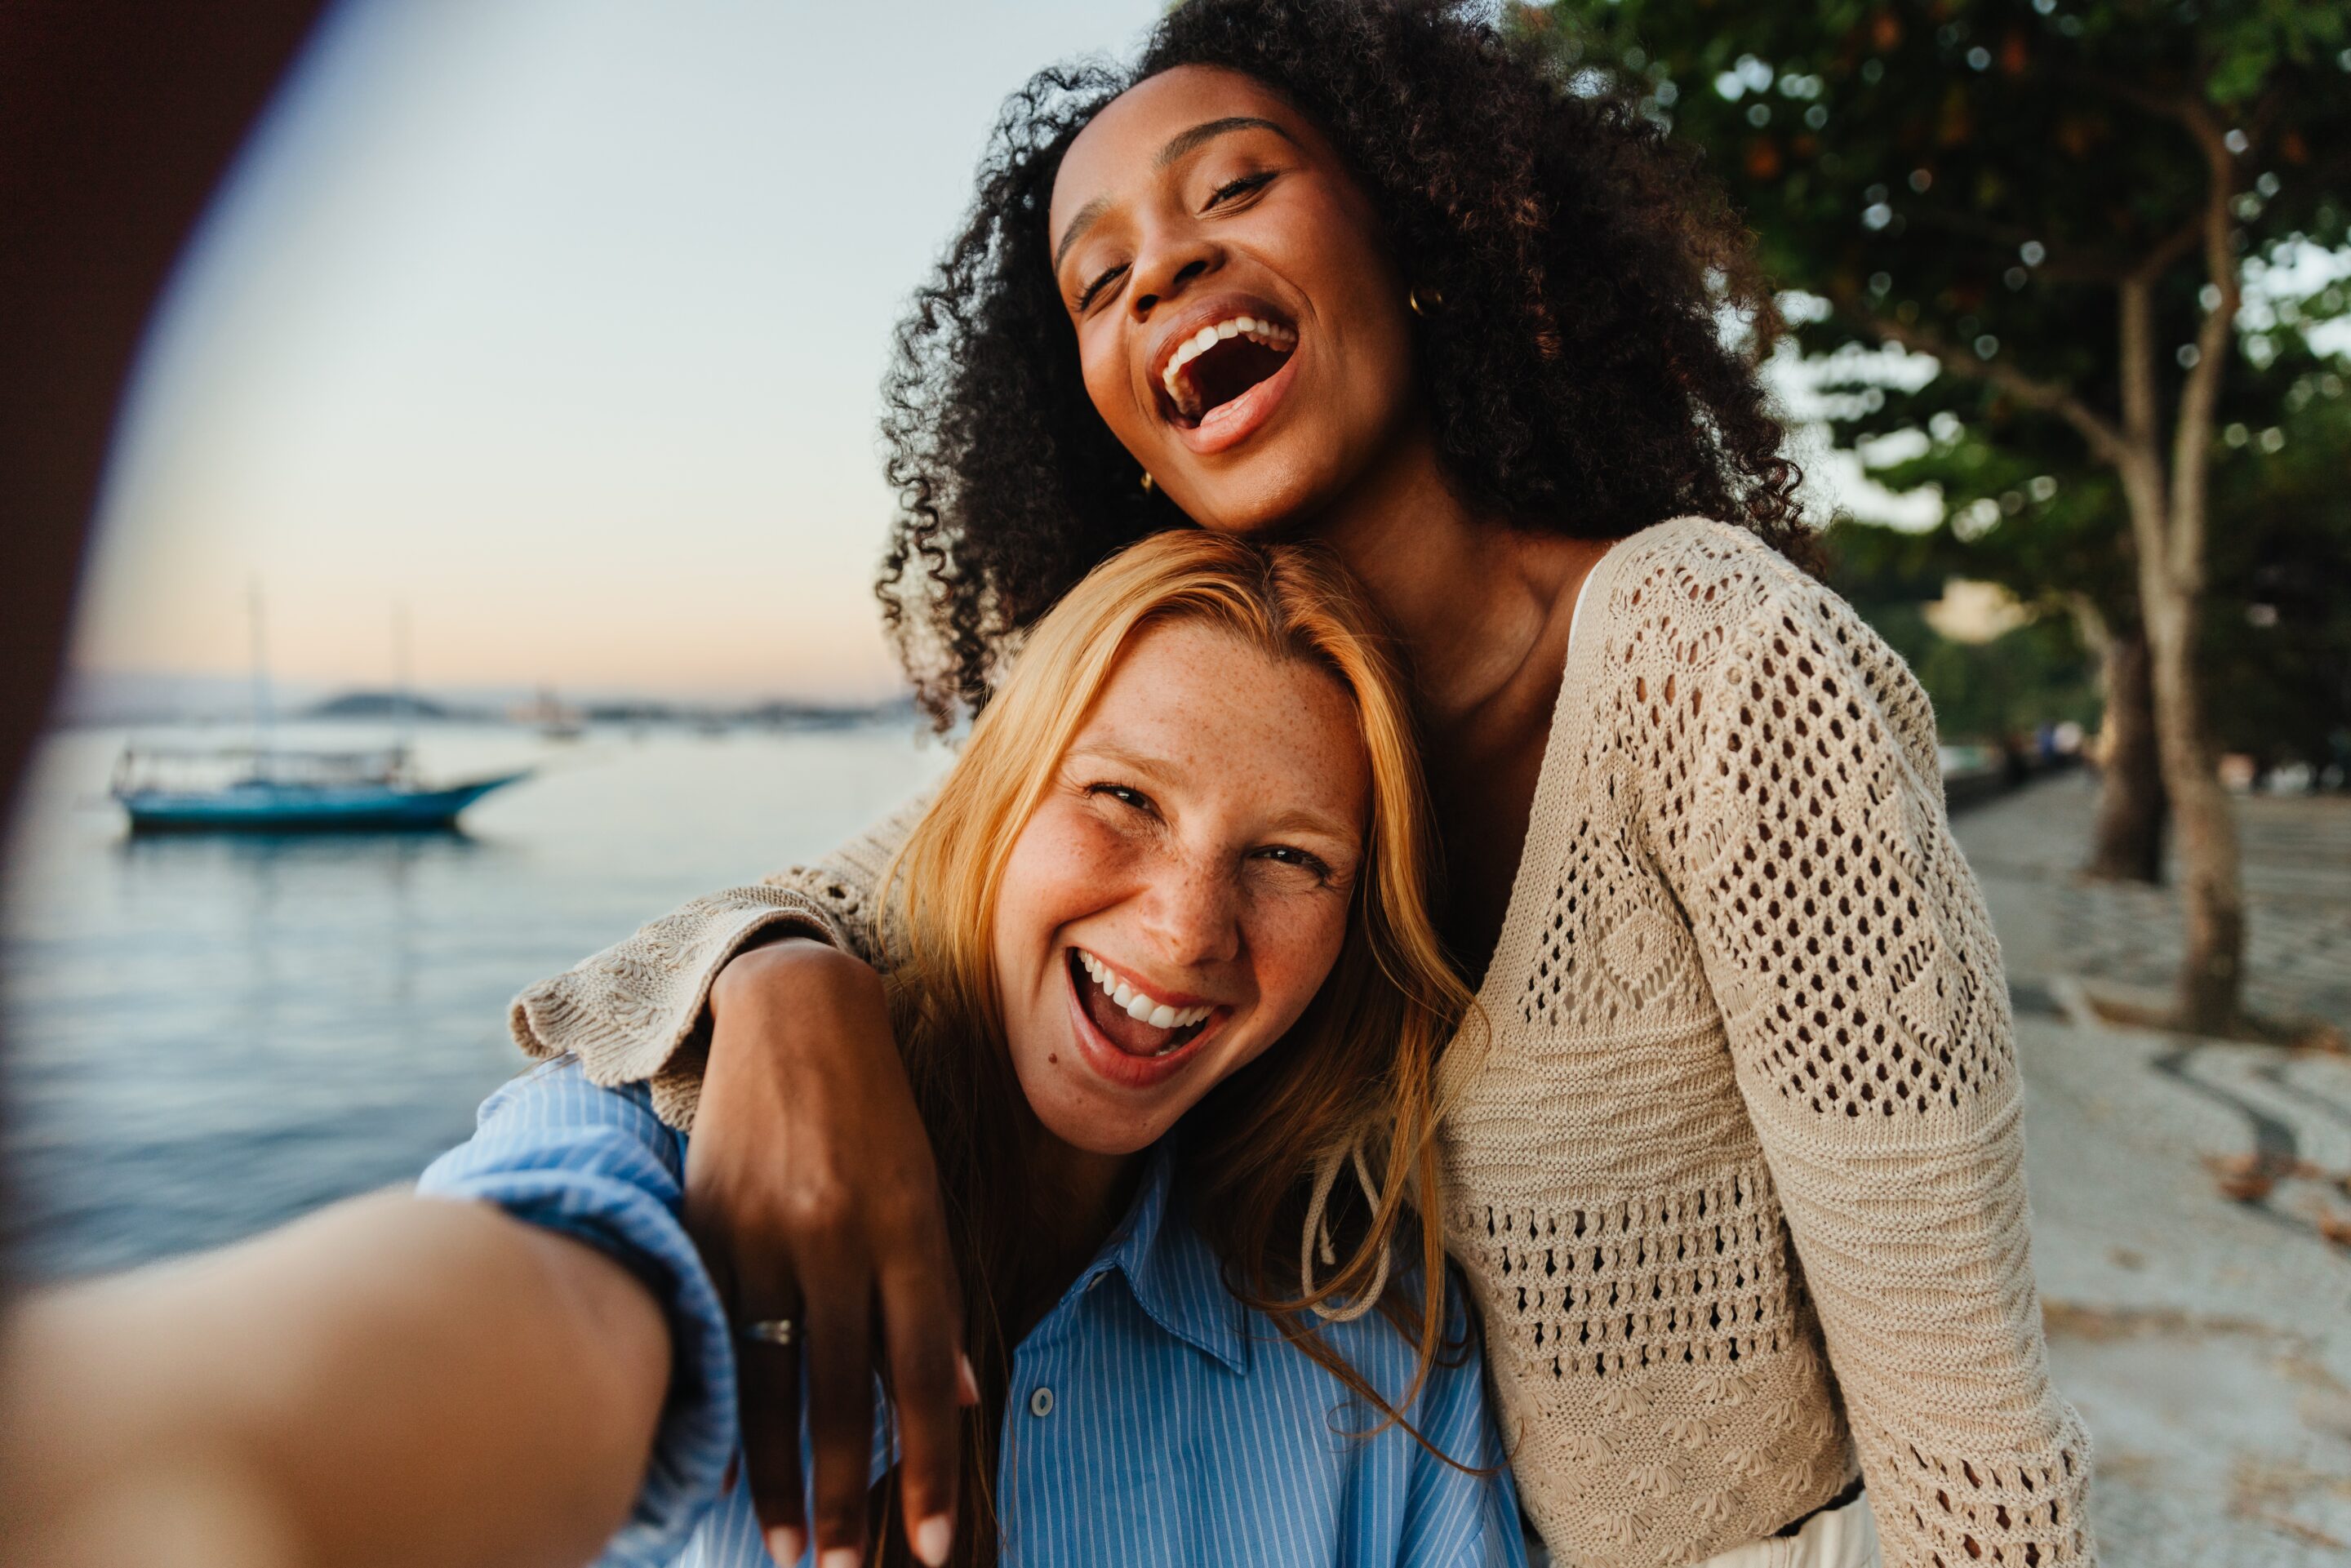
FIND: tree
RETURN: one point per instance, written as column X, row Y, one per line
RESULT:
column 2055, row 199
column 2035, row 514
column 2044, row 523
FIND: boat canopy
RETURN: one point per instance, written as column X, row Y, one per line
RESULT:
column 153, row 766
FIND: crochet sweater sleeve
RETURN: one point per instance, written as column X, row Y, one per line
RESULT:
column 1794, row 801
column 637, row 1012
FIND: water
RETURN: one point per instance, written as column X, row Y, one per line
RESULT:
column 211, row 1035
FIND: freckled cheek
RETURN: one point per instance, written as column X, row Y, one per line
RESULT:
column 1062, row 868
column 1295, row 949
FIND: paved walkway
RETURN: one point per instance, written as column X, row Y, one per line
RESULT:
column 2206, row 1339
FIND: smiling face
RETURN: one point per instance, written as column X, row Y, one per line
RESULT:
column 1195, row 855
column 1241, row 327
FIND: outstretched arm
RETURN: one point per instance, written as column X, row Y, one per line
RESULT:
column 368, row 1386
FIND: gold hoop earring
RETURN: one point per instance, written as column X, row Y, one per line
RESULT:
column 1436, row 301
column 1149, row 484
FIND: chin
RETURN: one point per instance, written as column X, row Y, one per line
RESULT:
column 1098, row 1129
column 1073, row 1107
column 1273, row 495
column 1244, row 523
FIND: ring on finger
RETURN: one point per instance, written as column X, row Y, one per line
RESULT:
column 781, row 1332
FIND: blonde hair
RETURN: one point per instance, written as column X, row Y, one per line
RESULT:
column 1353, row 1081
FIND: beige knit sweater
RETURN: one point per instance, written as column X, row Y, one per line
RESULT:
column 1735, row 1168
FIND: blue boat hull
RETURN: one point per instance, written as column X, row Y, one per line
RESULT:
column 282, row 809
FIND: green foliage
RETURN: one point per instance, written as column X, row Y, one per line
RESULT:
column 2008, row 688
column 1980, row 175
column 2277, row 639
column 1979, row 167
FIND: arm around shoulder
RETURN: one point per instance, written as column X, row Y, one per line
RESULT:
column 638, row 1012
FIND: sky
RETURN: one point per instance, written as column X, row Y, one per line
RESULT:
column 556, row 326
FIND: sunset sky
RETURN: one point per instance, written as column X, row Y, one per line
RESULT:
column 559, row 323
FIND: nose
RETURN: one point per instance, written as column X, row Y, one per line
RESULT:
column 1192, row 914
column 1172, row 259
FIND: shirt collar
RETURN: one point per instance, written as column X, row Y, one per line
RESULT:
column 1175, row 1276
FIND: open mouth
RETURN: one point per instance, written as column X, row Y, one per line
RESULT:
column 1137, row 1024
column 1222, row 360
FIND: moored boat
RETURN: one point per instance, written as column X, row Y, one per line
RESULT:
column 277, row 792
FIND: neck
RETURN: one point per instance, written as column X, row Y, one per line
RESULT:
column 1467, row 593
column 1079, row 1196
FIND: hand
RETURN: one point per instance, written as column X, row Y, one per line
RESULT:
column 810, row 1190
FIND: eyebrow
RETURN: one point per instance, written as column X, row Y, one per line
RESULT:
column 1154, row 771
column 1302, row 820
column 1200, row 135
column 1084, row 219
column 1151, row 767
column 1180, row 144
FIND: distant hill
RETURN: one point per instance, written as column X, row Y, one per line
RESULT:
column 384, row 706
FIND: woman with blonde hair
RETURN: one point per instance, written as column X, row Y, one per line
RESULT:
column 1162, row 963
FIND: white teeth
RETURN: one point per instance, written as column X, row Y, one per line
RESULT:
column 1267, row 332
column 1135, row 1004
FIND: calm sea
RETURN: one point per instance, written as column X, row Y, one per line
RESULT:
column 208, row 1035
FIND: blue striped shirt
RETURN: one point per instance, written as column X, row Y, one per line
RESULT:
column 1154, row 1418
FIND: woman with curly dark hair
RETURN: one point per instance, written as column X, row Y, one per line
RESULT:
column 1731, row 1137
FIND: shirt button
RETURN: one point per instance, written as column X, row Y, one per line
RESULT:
column 1040, row 1403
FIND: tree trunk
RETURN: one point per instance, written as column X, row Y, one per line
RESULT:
column 2210, row 894
column 2168, row 522
column 2127, row 844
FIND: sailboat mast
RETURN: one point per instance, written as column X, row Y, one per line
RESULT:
column 261, row 712
column 403, row 702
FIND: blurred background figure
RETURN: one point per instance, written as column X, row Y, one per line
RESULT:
column 502, row 303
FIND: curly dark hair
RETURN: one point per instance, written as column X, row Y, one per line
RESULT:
column 1577, row 373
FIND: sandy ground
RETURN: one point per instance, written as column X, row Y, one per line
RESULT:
column 2205, row 1338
